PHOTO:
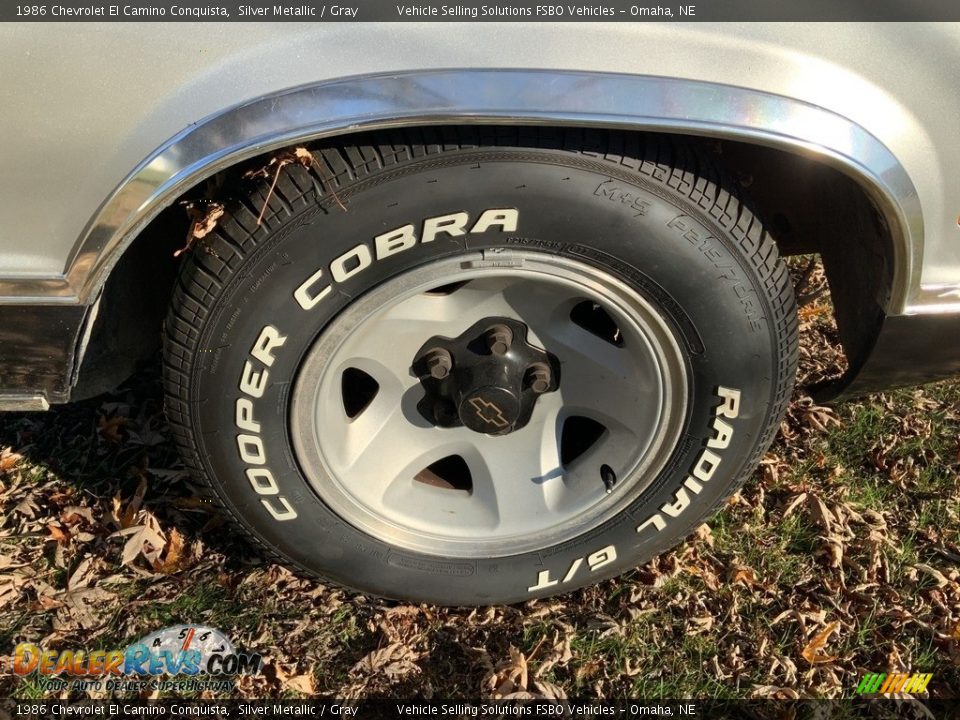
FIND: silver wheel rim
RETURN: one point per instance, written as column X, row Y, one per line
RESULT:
column 369, row 469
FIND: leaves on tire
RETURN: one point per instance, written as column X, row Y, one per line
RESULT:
column 298, row 155
column 204, row 216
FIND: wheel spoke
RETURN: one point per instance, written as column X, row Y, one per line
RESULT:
column 619, row 404
column 618, row 386
column 607, row 383
column 383, row 442
column 544, row 308
column 583, row 480
column 386, row 348
column 518, row 476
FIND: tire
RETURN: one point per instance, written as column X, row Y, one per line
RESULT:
column 625, row 263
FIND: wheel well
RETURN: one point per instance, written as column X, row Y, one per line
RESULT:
column 807, row 206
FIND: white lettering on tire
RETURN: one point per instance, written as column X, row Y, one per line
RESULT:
column 308, row 295
column 594, row 561
column 506, row 219
column 358, row 258
column 707, row 462
column 453, row 225
column 395, row 241
column 253, row 383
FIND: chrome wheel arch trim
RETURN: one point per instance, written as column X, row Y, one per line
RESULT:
column 437, row 97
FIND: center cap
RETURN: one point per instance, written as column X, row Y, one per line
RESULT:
column 488, row 379
column 490, row 410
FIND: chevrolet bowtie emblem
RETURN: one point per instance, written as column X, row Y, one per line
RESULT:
column 488, row 412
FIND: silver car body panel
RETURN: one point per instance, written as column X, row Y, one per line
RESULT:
column 88, row 104
column 105, row 124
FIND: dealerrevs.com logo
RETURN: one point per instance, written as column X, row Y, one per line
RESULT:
column 181, row 657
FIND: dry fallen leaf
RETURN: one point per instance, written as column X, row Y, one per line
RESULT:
column 821, row 514
column 8, row 459
column 74, row 514
column 85, row 607
column 58, row 535
column 395, row 662
column 110, row 428
column 807, row 312
column 300, row 683
column 146, row 539
column 28, row 507
column 811, row 653
column 202, row 222
column 174, row 558
column 511, row 677
column 82, row 575
column 125, row 517
column 773, row 692
column 937, row 576
column 745, row 576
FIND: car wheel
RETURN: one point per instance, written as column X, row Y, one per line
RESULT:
column 474, row 366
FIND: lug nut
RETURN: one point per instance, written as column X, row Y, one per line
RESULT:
column 439, row 363
column 499, row 339
column 538, row 375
